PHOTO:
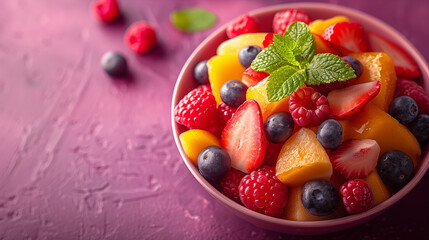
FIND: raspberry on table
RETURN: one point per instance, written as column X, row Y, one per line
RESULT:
column 308, row 108
column 244, row 24
column 356, row 196
column 140, row 37
column 197, row 109
column 229, row 184
column 411, row 89
column 106, row 10
column 263, row 192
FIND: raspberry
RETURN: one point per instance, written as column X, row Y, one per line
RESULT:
column 411, row 89
column 268, row 40
column 308, row 108
column 263, row 192
column 197, row 109
column 225, row 113
column 140, row 37
column 230, row 183
column 105, row 10
column 244, row 24
column 327, row 87
column 356, row 196
column 283, row 19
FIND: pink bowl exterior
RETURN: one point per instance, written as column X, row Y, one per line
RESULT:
column 207, row 49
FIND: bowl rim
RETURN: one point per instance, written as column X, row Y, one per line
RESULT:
column 350, row 220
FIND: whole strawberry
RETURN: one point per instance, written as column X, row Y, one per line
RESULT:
column 356, row 196
column 197, row 109
column 244, row 24
column 263, row 192
column 283, row 19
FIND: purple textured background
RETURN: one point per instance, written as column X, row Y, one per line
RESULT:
column 85, row 157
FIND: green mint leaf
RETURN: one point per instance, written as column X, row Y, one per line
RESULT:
column 192, row 19
column 326, row 68
column 306, row 46
column 286, row 47
column 283, row 82
column 268, row 60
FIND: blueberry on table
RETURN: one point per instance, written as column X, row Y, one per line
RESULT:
column 355, row 64
column 330, row 133
column 404, row 109
column 247, row 54
column 420, row 128
column 233, row 93
column 319, row 197
column 114, row 64
column 214, row 163
column 279, row 127
column 395, row 169
column 201, row 74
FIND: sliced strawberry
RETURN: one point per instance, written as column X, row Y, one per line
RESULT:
column 345, row 102
column 244, row 137
column 355, row 158
column 349, row 35
column 405, row 66
column 324, row 46
column 251, row 77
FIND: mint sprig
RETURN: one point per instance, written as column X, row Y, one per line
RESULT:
column 292, row 61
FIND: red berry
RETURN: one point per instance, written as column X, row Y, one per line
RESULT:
column 225, row 113
column 229, row 184
column 283, row 19
column 197, row 109
column 308, row 108
column 268, row 40
column 244, row 24
column 356, row 196
column 411, row 89
column 105, row 10
column 272, row 153
column 251, row 77
column 263, row 192
column 349, row 35
column 140, row 37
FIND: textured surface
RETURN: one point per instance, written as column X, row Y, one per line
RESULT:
column 85, row 157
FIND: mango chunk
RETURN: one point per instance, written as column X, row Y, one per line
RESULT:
column 378, row 66
column 301, row 159
column 222, row 69
column 373, row 123
column 195, row 140
column 380, row 192
column 318, row 26
column 234, row 45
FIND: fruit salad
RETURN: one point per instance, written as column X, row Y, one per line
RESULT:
column 315, row 120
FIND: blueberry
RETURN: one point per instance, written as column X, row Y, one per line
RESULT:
column 420, row 128
column 404, row 109
column 247, row 54
column 114, row 64
column 330, row 134
column 395, row 169
column 278, row 127
column 355, row 64
column 319, row 197
column 214, row 163
column 201, row 74
column 233, row 93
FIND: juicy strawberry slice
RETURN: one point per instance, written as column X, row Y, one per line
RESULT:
column 251, row 77
column 244, row 137
column 283, row 19
column 355, row 158
column 349, row 35
column 405, row 66
column 345, row 102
